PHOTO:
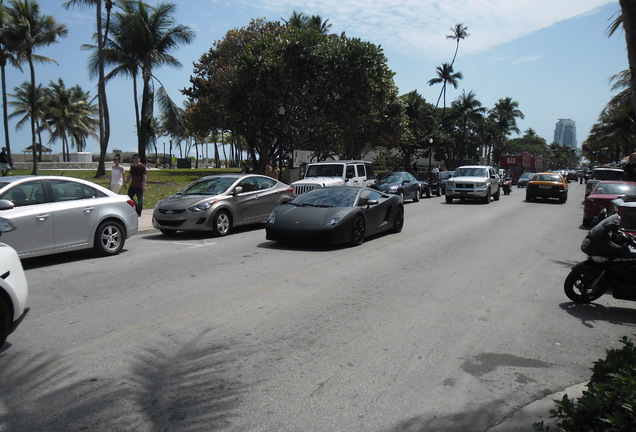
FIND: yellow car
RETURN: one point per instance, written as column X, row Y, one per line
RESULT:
column 547, row 185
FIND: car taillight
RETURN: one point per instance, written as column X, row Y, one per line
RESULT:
column 531, row 185
column 561, row 187
column 132, row 204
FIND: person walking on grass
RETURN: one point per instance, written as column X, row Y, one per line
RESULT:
column 137, row 180
column 117, row 175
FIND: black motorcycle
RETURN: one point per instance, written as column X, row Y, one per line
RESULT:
column 611, row 265
column 506, row 186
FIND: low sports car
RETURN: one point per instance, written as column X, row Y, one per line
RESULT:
column 342, row 214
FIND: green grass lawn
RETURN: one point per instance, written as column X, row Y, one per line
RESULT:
column 161, row 183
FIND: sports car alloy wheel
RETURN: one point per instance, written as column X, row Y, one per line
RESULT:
column 357, row 232
column 398, row 222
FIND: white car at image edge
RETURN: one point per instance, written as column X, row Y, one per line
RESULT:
column 13, row 287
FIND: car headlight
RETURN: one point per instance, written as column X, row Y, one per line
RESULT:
column 334, row 220
column 393, row 189
column 271, row 218
column 202, row 207
column 482, row 183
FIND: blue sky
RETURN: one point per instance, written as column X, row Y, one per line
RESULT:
column 552, row 57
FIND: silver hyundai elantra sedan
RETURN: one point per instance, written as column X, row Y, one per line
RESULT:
column 219, row 202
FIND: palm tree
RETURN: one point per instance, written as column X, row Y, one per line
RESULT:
column 459, row 32
column 504, row 114
column 315, row 22
column 68, row 113
column 151, row 35
column 36, row 31
column 8, row 54
column 22, row 108
column 467, row 113
column 445, row 75
column 104, row 115
column 628, row 19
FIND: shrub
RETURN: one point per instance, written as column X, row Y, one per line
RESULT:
column 609, row 402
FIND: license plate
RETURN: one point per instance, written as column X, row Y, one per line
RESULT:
column 545, row 186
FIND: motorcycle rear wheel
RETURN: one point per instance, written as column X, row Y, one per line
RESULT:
column 578, row 284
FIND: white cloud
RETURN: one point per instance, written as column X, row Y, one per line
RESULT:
column 419, row 27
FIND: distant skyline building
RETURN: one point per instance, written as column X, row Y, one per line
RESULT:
column 565, row 133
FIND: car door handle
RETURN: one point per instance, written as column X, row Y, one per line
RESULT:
column 88, row 209
column 42, row 217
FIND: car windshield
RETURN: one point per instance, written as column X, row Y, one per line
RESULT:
column 608, row 174
column 208, row 186
column 445, row 175
column 327, row 197
column 615, row 189
column 471, row 172
column 547, row 178
column 526, row 176
column 325, row 170
column 390, row 178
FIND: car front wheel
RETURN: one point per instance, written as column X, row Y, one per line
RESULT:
column 5, row 321
column 398, row 222
column 357, row 231
column 222, row 223
column 109, row 238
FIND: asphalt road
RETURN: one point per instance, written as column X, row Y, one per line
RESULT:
column 451, row 325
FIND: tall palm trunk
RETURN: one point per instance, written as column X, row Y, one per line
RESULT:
column 628, row 9
column 5, row 114
column 104, row 116
column 34, row 169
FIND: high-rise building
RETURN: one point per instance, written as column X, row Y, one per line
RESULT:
column 565, row 133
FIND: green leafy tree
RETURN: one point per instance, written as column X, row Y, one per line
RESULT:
column 34, row 31
column 283, row 87
column 530, row 142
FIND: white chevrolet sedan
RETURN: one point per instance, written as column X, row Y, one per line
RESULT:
column 58, row 214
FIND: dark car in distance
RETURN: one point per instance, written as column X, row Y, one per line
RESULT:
column 340, row 214
column 430, row 184
column 400, row 183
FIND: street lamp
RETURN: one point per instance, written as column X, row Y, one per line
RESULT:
column 430, row 153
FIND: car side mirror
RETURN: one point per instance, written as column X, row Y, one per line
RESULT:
column 237, row 190
column 371, row 202
column 6, row 204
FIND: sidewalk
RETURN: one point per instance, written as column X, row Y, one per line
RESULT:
column 145, row 220
column 537, row 411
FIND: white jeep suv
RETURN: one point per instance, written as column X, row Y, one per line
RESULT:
column 473, row 182
column 335, row 173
